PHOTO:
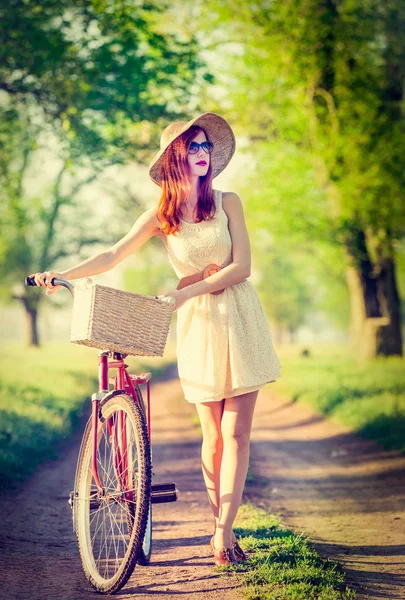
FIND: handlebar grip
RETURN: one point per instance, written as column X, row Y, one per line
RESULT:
column 31, row 281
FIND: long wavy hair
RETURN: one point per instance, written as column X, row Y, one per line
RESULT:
column 176, row 185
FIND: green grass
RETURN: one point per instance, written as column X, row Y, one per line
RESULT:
column 44, row 392
column 369, row 398
column 283, row 565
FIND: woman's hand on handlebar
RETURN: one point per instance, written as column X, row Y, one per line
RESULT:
column 44, row 280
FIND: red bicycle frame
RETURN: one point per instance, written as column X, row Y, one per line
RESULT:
column 122, row 381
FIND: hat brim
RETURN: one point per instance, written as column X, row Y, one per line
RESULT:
column 219, row 132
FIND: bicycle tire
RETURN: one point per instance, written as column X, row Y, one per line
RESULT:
column 145, row 550
column 86, row 433
column 109, row 573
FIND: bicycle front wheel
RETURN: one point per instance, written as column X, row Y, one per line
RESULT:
column 111, row 522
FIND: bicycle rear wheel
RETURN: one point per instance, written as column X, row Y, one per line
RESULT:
column 111, row 523
column 145, row 550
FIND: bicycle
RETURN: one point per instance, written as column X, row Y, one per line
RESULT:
column 113, row 492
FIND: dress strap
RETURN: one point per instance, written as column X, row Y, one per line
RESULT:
column 218, row 194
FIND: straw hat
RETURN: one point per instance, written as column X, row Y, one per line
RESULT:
column 218, row 131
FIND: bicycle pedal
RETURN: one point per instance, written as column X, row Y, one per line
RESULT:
column 163, row 492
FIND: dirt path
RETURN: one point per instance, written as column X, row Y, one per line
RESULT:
column 344, row 492
column 39, row 555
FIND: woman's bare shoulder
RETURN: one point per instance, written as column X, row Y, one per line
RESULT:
column 156, row 224
column 231, row 202
column 150, row 215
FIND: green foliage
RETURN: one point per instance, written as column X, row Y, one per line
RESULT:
column 318, row 89
column 94, row 67
column 400, row 265
column 283, row 285
column 368, row 398
column 83, row 86
column 297, row 275
column 283, row 565
column 349, row 121
column 332, row 77
column 41, row 401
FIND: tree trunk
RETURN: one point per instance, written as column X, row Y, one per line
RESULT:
column 390, row 342
column 31, row 329
column 31, row 303
column 375, row 326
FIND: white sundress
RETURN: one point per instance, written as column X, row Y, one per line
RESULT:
column 224, row 343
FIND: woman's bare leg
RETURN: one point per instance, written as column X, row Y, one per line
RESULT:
column 210, row 414
column 236, row 424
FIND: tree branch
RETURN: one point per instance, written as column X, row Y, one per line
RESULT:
column 78, row 245
column 58, row 200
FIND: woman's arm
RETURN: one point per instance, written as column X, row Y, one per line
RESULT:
column 239, row 269
column 144, row 228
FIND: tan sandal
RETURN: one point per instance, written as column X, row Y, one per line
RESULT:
column 238, row 552
column 224, row 556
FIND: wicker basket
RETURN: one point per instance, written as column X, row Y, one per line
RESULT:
column 124, row 322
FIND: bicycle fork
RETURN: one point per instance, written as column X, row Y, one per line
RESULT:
column 160, row 492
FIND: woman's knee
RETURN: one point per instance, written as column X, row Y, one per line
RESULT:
column 236, row 422
column 212, row 439
column 210, row 418
column 239, row 438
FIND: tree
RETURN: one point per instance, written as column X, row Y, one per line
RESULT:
column 93, row 80
column 96, row 67
column 38, row 230
column 322, row 82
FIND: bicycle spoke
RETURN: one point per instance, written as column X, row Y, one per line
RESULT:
column 112, row 528
column 116, row 549
column 109, row 538
column 102, row 463
column 98, row 527
column 119, row 530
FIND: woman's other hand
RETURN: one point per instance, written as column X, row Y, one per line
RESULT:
column 44, row 280
column 179, row 297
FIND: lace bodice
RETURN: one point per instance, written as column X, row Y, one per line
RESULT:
column 197, row 245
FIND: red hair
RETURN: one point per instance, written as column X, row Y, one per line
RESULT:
column 175, row 182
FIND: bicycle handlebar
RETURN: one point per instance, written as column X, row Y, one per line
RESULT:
column 30, row 281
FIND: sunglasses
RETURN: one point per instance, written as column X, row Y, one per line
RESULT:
column 206, row 146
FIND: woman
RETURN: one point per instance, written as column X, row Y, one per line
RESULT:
column 224, row 345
